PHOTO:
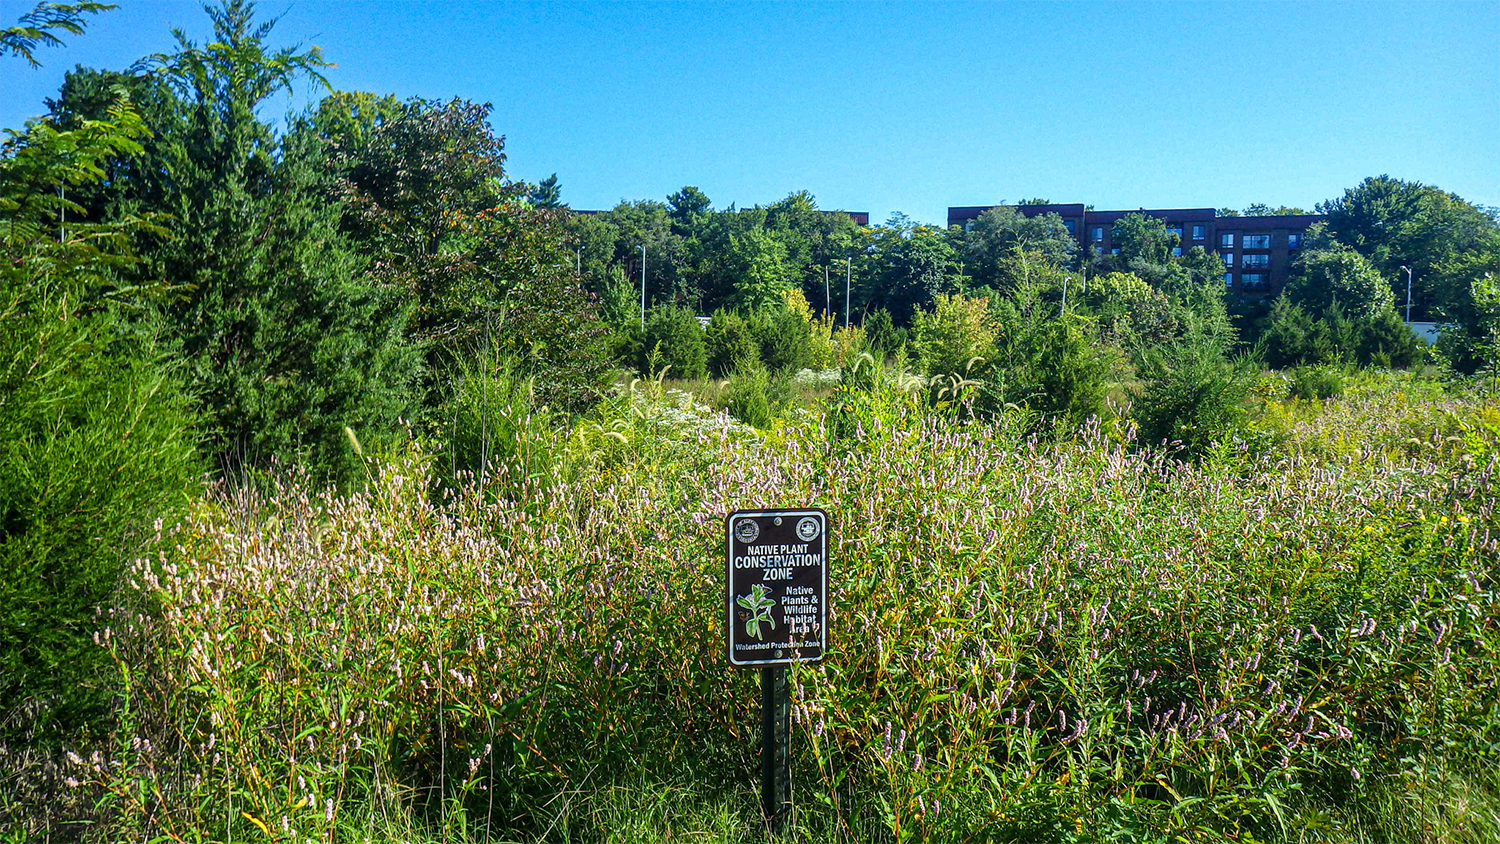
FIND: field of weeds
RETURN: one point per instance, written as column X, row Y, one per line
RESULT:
column 1076, row 639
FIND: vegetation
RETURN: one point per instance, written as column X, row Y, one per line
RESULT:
column 351, row 490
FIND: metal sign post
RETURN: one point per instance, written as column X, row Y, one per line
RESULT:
column 775, row 613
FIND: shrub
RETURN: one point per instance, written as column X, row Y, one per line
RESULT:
column 1311, row 383
column 730, row 345
column 881, row 334
column 1051, row 368
column 956, row 337
column 748, row 398
column 672, row 337
column 1191, row 398
column 785, row 340
column 1388, row 341
column 95, row 443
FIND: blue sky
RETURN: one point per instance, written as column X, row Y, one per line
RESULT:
column 910, row 107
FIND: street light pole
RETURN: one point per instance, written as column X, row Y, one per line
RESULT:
column 1066, row 279
column 848, row 274
column 1408, row 293
column 827, row 301
column 643, row 286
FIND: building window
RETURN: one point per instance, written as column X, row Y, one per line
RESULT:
column 1096, row 233
column 1249, row 280
column 1228, row 258
column 1293, row 241
column 1200, row 232
column 1114, row 250
column 1229, row 279
column 1098, row 250
column 1177, row 252
column 1256, row 241
column 1070, row 224
column 1256, row 261
column 1177, row 230
column 1227, row 240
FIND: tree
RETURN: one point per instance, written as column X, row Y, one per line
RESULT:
column 1260, row 209
column 1394, row 223
column 35, row 27
column 1143, row 239
column 286, row 340
column 1003, row 234
column 912, row 266
column 687, row 207
column 761, row 264
column 1339, row 275
column 547, row 194
column 487, row 268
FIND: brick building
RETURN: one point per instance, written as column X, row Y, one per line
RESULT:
column 1257, row 251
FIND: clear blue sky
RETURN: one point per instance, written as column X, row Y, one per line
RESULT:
column 910, row 107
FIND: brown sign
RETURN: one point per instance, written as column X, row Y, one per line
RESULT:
column 776, row 597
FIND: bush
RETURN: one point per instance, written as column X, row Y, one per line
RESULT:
column 1388, row 341
column 95, row 442
column 730, row 344
column 956, row 337
column 785, row 340
column 1191, row 398
column 1051, row 368
column 881, row 334
column 1311, row 383
column 672, row 337
column 748, row 398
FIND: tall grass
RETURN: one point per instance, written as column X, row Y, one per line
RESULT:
column 1077, row 640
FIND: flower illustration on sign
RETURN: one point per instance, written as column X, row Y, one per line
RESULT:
column 759, row 606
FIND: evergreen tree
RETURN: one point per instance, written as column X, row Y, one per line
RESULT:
column 287, row 343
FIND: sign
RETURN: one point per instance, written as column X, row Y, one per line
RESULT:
column 776, row 599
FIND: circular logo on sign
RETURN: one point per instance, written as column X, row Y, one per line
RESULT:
column 808, row 529
column 746, row 530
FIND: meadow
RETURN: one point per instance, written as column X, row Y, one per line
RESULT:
column 1064, row 638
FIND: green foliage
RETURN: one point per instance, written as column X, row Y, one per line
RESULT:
column 730, row 344
column 671, row 338
column 1050, row 367
column 493, row 431
column 760, row 262
column 956, row 337
column 749, row 397
column 914, row 267
column 1002, row 240
column 1191, row 399
column 881, row 334
column 1325, row 277
column 785, row 338
column 1316, row 383
column 1291, row 336
column 35, row 27
column 1387, row 341
column 95, row 437
column 1143, row 239
column 546, row 194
